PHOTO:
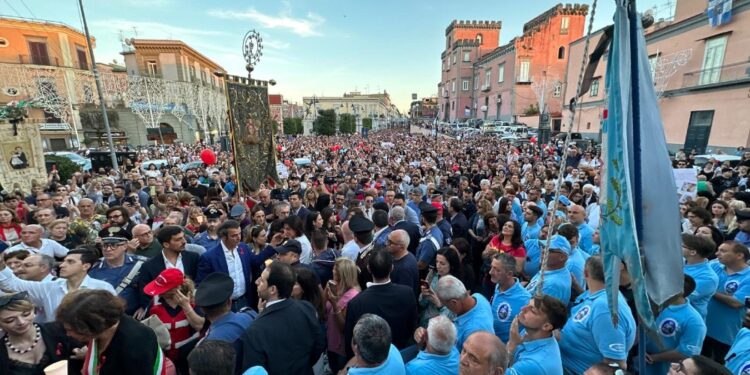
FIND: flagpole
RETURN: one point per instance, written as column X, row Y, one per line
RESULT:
column 637, row 160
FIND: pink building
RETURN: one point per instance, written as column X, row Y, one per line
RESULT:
column 704, row 101
column 515, row 79
column 465, row 42
column 275, row 103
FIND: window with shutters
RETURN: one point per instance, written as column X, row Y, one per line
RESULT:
column 524, row 71
column 83, row 61
column 467, row 56
column 38, row 51
column 713, row 59
column 152, row 68
column 564, row 24
column 594, row 89
column 501, row 73
column 465, row 85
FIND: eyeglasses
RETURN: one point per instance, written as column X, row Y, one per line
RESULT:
column 112, row 245
column 9, row 298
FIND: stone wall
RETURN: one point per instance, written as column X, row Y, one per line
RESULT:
column 30, row 141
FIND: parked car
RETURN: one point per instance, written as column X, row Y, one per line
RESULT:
column 157, row 162
column 700, row 160
column 190, row 165
column 85, row 163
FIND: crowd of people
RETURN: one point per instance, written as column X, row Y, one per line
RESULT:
column 392, row 254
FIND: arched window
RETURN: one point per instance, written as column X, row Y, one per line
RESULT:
column 479, row 39
column 561, row 53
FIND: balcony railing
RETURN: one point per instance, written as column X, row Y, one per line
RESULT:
column 54, row 126
column 722, row 74
column 486, row 87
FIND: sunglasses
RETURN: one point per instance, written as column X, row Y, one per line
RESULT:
column 10, row 298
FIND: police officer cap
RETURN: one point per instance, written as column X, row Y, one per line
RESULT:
column 216, row 288
column 213, row 213
column 743, row 214
column 290, row 245
column 427, row 208
column 360, row 224
column 114, row 240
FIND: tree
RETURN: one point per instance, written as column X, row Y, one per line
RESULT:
column 347, row 123
column 367, row 123
column 290, row 127
column 293, row 126
column 325, row 124
column 65, row 167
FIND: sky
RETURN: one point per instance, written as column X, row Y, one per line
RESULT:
column 310, row 47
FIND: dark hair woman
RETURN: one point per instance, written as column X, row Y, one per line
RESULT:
column 117, row 343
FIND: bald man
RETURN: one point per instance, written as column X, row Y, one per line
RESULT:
column 143, row 243
column 483, row 353
column 577, row 217
column 32, row 241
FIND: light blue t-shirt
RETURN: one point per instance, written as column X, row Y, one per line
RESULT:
column 505, row 306
column 531, row 232
column 680, row 328
column 433, row 364
column 479, row 318
column 575, row 264
column 393, row 365
column 725, row 321
column 556, row 284
column 706, row 282
column 533, row 256
column 585, row 237
column 589, row 335
column 538, row 357
column 738, row 357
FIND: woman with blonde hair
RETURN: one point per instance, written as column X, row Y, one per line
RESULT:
column 30, row 347
column 310, row 199
column 195, row 219
column 339, row 291
column 734, row 206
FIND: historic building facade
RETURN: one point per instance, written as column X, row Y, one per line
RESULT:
column 700, row 72
column 40, row 60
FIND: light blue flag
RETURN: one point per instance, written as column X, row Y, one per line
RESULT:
column 630, row 86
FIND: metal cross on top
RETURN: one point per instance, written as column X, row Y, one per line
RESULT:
column 252, row 49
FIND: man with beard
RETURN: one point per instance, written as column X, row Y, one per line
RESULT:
column 119, row 224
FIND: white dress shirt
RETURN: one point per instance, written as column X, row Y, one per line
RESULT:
column 178, row 265
column 49, row 247
column 234, row 266
column 47, row 295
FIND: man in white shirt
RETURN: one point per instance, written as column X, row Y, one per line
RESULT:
column 32, row 241
column 47, row 295
column 231, row 257
column 36, row 267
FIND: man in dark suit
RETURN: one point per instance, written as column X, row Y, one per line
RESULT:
column 398, row 221
column 232, row 252
column 393, row 302
column 296, row 207
column 459, row 223
column 173, row 255
column 286, row 338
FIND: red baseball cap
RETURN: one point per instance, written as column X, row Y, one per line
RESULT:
column 167, row 280
column 438, row 205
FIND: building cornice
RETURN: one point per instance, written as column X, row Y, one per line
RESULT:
column 20, row 23
column 174, row 45
column 559, row 9
column 473, row 24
